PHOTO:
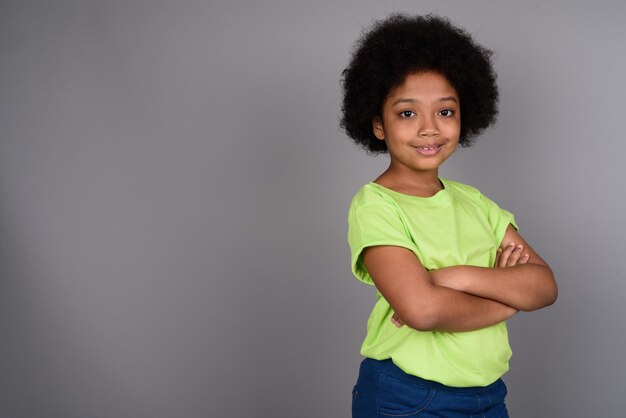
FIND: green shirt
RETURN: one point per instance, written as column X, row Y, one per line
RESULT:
column 456, row 226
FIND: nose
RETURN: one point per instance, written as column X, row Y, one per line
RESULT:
column 428, row 127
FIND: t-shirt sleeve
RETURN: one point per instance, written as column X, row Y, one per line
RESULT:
column 499, row 218
column 371, row 225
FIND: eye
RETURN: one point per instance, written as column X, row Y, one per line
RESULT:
column 407, row 113
column 446, row 112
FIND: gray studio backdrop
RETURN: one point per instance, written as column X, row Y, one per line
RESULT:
column 174, row 190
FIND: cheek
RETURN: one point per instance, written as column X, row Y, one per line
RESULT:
column 454, row 129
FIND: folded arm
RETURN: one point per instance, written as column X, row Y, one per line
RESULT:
column 421, row 303
column 526, row 286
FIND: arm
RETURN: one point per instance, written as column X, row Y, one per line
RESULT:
column 527, row 285
column 409, row 289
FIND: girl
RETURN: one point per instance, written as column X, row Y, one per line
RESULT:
column 448, row 263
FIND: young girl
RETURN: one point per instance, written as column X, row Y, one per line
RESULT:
column 448, row 263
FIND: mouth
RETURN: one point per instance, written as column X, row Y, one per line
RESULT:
column 428, row 149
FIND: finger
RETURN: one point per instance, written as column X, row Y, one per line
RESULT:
column 524, row 259
column 515, row 255
column 395, row 319
column 498, row 253
column 506, row 253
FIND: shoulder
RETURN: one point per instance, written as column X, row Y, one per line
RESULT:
column 373, row 205
column 369, row 194
column 497, row 216
column 468, row 194
column 458, row 188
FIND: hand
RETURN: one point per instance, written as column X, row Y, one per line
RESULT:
column 511, row 255
column 395, row 319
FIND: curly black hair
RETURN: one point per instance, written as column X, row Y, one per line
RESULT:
column 400, row 45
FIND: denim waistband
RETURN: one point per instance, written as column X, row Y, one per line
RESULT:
column 387, row 367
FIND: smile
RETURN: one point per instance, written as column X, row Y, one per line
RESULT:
column 428, row 149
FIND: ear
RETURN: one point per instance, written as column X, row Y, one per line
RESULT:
column 377, row 127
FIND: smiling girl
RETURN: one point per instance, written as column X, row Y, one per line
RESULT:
column 449, row 264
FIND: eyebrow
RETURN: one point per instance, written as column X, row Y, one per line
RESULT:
column 409, row 100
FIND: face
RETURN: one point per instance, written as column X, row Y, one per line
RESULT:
column 421, row 123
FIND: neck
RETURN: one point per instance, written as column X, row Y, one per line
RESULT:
column 424, row 184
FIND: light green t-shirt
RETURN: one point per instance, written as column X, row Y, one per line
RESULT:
column 456, row 226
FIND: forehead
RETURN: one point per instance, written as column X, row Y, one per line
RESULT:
column 424, row 86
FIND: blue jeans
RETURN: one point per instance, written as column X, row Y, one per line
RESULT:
column 383, row 390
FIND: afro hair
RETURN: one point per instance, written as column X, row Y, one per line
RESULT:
column 401, row 45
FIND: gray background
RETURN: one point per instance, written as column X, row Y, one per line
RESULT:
column 173, row 204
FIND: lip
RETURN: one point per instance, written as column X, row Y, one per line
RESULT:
column 428, row 150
